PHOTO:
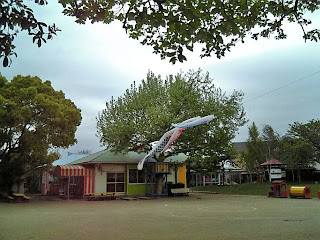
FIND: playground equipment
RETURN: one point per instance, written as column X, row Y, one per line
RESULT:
column 152, row 171
column 278, row 189
column 18, row 198
column 303, row 192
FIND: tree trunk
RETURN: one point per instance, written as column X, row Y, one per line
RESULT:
column 188, row 175
column 158, row 187
column 292, row 175
column 159, row 177
column 299, row 175
column 223, row 177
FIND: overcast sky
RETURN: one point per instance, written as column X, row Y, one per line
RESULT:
column 91, row 63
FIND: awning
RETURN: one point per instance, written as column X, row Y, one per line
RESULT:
column 72, row 170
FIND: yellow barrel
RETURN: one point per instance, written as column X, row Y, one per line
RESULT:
column 304, row 192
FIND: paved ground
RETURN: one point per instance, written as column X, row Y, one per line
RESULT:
column 199, row 216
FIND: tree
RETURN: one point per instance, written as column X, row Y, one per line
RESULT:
column 270, row 140
column 297, row 154
column 254, row 154
column 145, row 112
column 309, row 132
column 16, row 17
column 301, row 146
column 34, row 121
column 171, row 27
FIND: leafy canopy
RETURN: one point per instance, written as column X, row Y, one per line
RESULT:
column 171, row 27
column 15, row 17
column 34, row 120
column 308, row 132
column 145, row 112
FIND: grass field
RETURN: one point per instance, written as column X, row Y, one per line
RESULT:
column 258, row 188
column 199, row 216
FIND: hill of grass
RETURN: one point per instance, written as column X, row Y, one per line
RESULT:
column 257, row 188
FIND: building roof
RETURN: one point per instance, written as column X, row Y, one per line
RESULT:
column 107, row 156
column 68, row 159
column 272, row 162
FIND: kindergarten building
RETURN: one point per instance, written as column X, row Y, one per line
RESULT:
column 107, row 172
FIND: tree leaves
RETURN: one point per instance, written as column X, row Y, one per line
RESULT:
column 34, row 120
column 143, row 113
column 16, row 17
column 216, row 25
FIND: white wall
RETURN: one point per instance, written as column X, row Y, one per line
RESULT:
column 101, row 170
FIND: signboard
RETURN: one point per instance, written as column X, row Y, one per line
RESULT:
column 276, row 170
column 276, row 176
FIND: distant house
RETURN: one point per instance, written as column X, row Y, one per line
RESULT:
column 227, row 174
column 106, row 172
column 274, row 169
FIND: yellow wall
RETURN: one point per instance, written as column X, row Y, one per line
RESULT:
column 182, row 174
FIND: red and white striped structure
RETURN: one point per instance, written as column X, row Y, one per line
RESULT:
column 77, row 171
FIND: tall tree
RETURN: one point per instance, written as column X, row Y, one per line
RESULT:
column 145, row 112
column 271, row 143
column 16, row 17
column 254, row 154
column 34, row 121
column 171, row 27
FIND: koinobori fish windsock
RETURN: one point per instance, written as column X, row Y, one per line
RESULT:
column 157, row 148
column 178, row 132
column 197, row 122
column 169, row 137
column 165, row 142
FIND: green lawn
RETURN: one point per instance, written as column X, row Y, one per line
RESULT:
column 258, row 188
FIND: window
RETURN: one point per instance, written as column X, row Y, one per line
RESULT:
column 136, row 176
column 115, row 182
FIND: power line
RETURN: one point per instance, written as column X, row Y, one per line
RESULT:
column 276, row 89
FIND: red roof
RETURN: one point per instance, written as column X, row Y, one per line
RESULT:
column 272, row 162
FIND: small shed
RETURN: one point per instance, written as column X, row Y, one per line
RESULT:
column 274, row 169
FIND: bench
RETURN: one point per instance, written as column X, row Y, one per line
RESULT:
column 180, row 191
column 100, row 196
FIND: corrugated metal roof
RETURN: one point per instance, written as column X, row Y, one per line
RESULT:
column 68, row 159
column 106, row 156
